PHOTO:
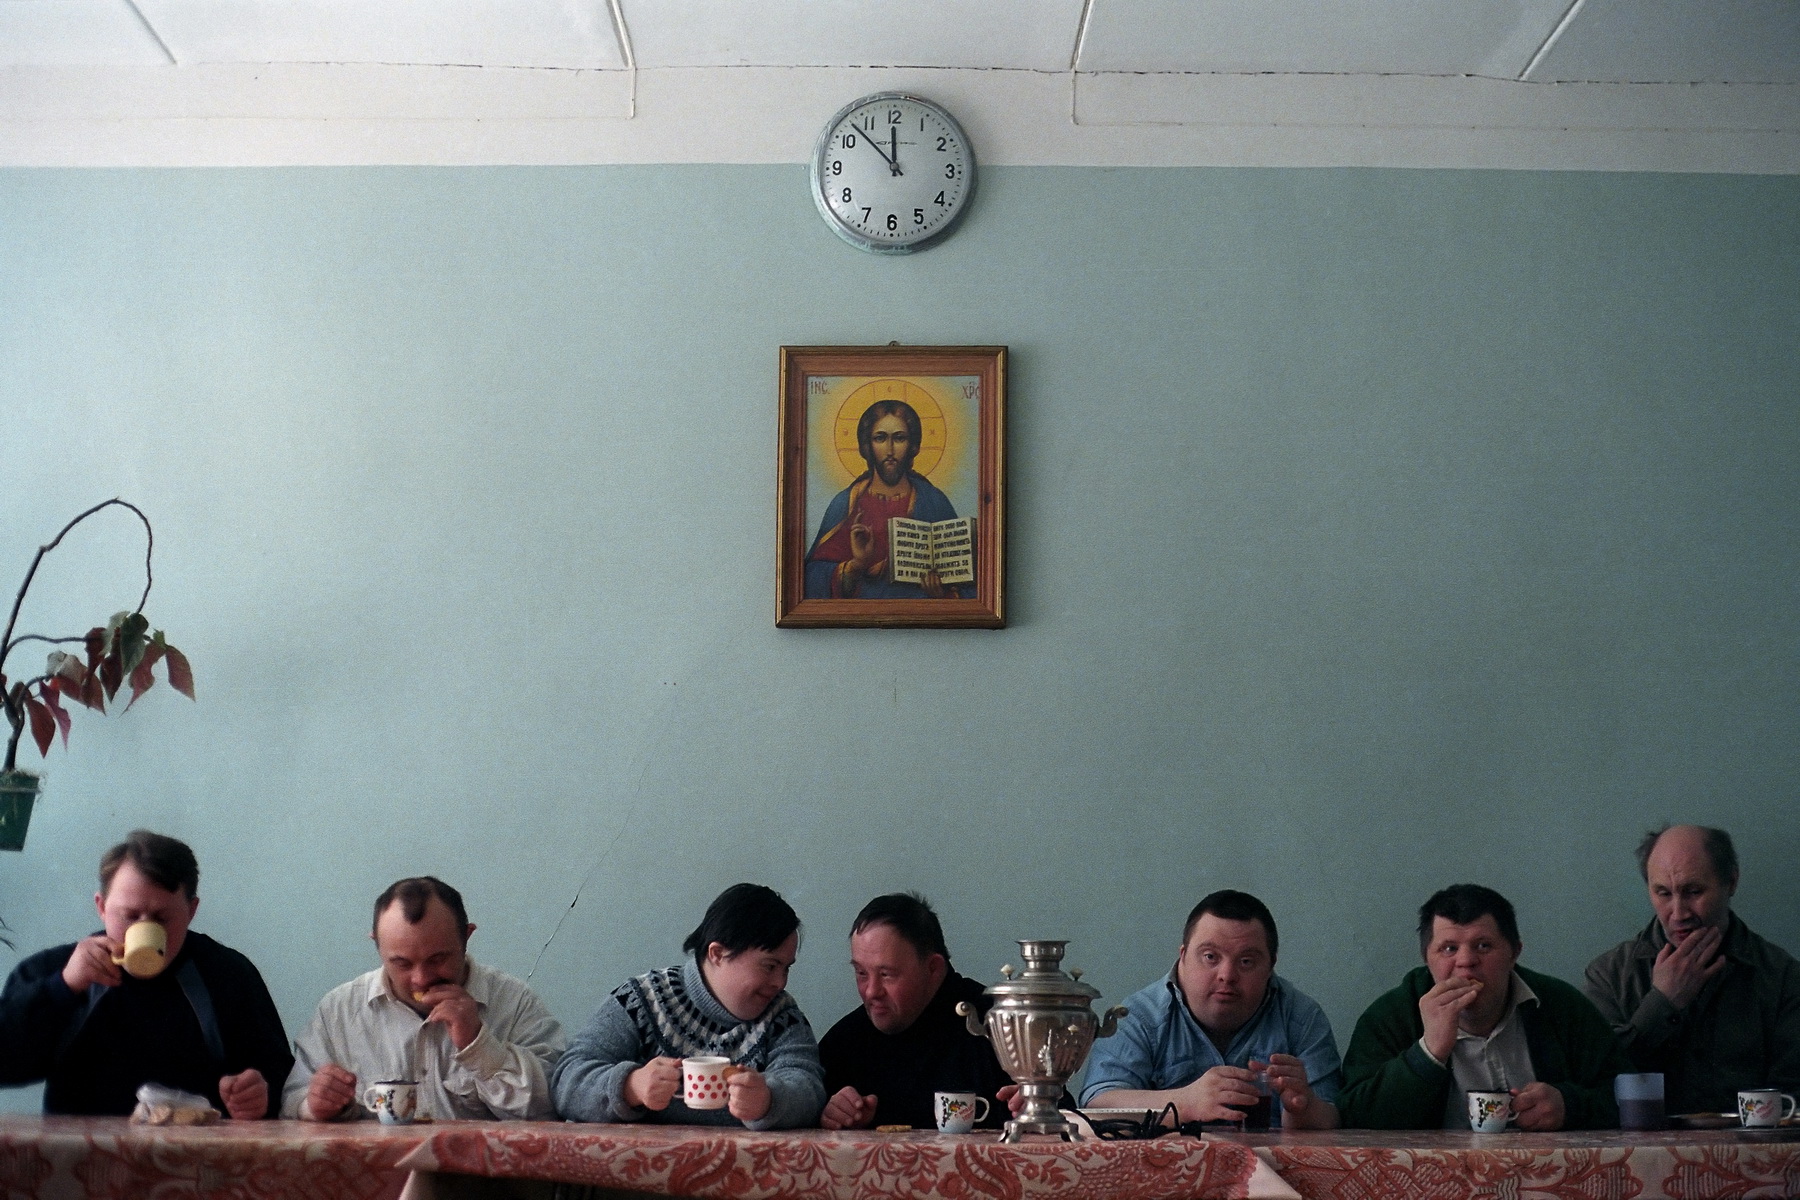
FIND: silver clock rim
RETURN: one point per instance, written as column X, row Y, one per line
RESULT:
column 835, row 223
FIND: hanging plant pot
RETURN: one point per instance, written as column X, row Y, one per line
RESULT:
column 18, row 792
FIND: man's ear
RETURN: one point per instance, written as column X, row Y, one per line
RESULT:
column 468, row 930
column 100, row 905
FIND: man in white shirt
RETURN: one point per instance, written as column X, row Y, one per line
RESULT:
column 479, row 1043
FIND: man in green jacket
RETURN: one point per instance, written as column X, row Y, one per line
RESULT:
column 1471, row 1019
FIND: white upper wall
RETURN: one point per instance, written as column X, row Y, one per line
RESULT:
column 1677, row 85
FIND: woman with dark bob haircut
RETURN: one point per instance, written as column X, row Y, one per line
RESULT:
column 729, row 999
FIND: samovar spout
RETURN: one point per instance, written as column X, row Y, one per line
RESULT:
column 971, row 1019
column 1110, row 1025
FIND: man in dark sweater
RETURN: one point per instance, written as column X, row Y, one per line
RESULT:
column 885, row 1061
column 69, row 1016
column 1471, row 1019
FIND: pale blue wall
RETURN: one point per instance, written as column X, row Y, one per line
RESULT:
column 1371, row 530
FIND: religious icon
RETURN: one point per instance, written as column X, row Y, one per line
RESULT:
column 890, row 491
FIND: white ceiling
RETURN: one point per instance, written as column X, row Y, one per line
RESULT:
column 1615, row 41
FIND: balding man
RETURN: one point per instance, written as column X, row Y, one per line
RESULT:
column 1696, row 995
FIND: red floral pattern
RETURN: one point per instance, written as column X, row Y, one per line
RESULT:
column 107, row 1158
column 1386, row 1165
column 735, row 1165
column 271, row 1160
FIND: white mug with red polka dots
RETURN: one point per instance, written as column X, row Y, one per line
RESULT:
column 703, row 1081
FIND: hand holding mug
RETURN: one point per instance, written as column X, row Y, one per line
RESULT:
column 747, row 1094
column 92, row 962
column 1221, row 1094
column 654, row 1084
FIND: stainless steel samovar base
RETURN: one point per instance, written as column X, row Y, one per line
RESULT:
column 1059, row 1127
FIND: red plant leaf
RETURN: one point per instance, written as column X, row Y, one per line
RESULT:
column 54, row 703
column 71, row 671
column 112, row 673
column 96, row 647
column 92, row 694
column 141, row 678
column 43, row 725
column 181, row 676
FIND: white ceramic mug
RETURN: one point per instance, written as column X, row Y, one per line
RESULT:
column 394, row 1101
column 957, row 1112
column 1764, row 1108
column 703, row 1081
column 146, row 950
column 1489, row 1111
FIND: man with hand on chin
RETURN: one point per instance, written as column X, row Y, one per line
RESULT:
column 1472, row 1020
column 479, row 1043
column 204, row 1024
column 1697, row 996
column 1221, row 1021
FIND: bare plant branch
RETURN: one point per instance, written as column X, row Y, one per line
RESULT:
column 15, row 714
column 38, row 637
column 6, row 639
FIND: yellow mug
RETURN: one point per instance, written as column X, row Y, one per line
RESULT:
column 146, row 950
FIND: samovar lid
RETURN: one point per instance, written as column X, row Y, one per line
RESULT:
column 1043, row 974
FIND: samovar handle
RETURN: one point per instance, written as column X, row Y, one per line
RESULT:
column 971, row 1021
column 1110, row 1025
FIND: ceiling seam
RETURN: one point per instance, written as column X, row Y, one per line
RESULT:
column 151, row 30
column 1550, row 42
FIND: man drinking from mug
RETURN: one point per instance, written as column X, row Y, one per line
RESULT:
column 199, row 1019
column 479, row 1043
column 1472, row 1020
column 1221, row 1027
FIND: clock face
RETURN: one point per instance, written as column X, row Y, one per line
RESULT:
column 892, row 173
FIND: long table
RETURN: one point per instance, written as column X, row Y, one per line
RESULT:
column 61, row 1158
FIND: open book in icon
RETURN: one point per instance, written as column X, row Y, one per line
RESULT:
column 916, row 547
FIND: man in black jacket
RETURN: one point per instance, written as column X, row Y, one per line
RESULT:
column 885, row 1061
column 205, row 1024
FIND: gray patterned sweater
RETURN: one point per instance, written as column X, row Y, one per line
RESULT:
column 672, row 1012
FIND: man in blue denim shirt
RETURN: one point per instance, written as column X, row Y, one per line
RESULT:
column 1222, row 1022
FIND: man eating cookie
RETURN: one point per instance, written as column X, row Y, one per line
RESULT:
column 479, row 1043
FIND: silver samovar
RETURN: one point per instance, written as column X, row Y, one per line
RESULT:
column 1041, row 1026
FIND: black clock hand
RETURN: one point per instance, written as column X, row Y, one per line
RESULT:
column 884, row 154
column 894, row 149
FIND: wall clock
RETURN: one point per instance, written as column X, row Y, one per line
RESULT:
column 892, row 173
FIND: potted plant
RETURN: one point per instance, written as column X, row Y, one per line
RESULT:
column 123, row 651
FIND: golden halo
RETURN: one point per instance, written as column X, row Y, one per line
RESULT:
column 931, row 422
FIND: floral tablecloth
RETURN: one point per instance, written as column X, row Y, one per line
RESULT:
column 732, row 1164
column 63, row 1158
column 1365, row 1164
